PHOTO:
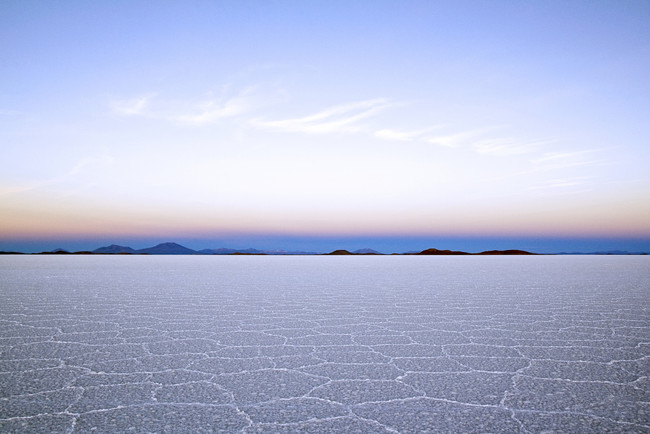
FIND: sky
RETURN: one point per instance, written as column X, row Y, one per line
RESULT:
column 394, row 125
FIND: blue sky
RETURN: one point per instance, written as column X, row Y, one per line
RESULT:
column 247, row 123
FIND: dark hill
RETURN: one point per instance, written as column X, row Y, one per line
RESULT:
column 114, row 249
column 367, row 252
column 506, row 252
column 226, row 251
column 221, row 251
column 339, row 252
column 58, row 251
column 167, row 249
column 441, row 252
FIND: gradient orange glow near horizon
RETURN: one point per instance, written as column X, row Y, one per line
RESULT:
column 56, row 218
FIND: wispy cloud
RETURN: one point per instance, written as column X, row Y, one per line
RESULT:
column 213, row 110
column 562, row 160
column 404, row 136
column 189, row 112
column 561, row 182
column 507, row 147
column 340, row 118
column 456, row 140
column 562, row 186
column 131, row 107
column 80, row 168
column 559, row 156
column 480, row 140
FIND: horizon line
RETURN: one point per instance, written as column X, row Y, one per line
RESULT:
column 225, row 251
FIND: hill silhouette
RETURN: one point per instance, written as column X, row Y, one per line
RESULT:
column 366, row 252
column 441, row 252
column 114, row 249
column 167, row 249
column 171, row 248
column 506, row 252
column 488, row 252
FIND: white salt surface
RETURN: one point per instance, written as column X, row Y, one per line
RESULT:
column 322, row 344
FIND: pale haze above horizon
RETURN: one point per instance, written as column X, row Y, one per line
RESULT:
column 258, row 120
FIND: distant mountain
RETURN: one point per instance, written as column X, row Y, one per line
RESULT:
column 488, row 252
column 114, row 249
column 441, row 252
column 506, row 252
column 367, row 252
column 226, row 251
column 58, row 251
column 167, row 249
column 289, row 252
column 171, row 248
column 356, row 252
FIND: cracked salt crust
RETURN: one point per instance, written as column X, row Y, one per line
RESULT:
column 523, row 344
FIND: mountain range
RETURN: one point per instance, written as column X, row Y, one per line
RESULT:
column 488, row 252
column 177, row 249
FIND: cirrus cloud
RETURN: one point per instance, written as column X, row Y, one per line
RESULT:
column 337, row 119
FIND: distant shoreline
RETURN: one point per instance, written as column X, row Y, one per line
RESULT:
column 171, row 248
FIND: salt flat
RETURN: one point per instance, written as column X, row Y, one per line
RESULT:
column 321, row 344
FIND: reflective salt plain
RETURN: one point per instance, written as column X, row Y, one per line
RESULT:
column 324, row 344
